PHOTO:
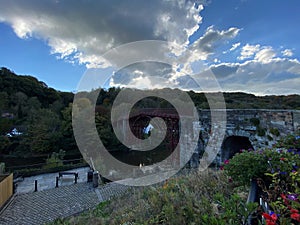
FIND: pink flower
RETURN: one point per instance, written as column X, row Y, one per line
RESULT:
column 226, row 161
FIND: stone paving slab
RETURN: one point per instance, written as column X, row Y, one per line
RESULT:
column 111, row 190
column 45, row 206
column 48, row 181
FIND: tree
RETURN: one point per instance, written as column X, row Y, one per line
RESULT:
column 19, row 99
column 44, row 132
column 67, row 140
column 4, row 99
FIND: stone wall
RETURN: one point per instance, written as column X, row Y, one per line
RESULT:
column 273, row 124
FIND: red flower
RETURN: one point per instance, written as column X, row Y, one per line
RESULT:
column 294, row 211
column 295, row 215
column 221, row 167
column 283, row 196
column 282, row 158
column 270, row 218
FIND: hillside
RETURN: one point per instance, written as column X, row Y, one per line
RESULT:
column 36, row 120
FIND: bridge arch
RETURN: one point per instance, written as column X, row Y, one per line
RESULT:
column 233, row 144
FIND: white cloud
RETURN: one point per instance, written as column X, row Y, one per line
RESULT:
column 212, row 38
column 287, row 52
column 262, row 76
column 81, row 31
column 248, row 51
column 87, row 29
column 234, row 46
column 265, row 55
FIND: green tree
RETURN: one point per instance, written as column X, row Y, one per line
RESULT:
column 20, row 101
column 67, row 141
column 44, row 132
column 4, row 100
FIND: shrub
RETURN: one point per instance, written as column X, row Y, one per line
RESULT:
column 249, row 164
column 261, row 131
column 56, row 160
column 255, row 121
column 245, row 166
column 274, row 131
column 279, row 178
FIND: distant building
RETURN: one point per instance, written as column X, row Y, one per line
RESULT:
column 7, row 115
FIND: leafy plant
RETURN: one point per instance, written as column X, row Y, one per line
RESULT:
column 55, row 160
column 245, row 166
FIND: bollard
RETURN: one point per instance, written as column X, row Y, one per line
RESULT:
column 90, row 176
column 35, row 186
column 76, row 176
column 56, row 183
column 95, row 179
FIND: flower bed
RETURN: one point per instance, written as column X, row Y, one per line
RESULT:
column 277, row 174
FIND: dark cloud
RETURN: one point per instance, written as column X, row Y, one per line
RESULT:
column 223, row 70
column 85, row 29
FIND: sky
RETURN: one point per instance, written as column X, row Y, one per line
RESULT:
column 247, row 45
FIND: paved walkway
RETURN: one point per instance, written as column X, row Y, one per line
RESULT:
column 48, row 180
column 45, row 206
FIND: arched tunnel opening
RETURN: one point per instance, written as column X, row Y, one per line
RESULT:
column 234, row 144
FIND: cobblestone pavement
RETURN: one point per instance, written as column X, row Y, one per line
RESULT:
column 48, row 180
column 45, row 206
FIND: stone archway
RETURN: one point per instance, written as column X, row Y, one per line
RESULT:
column 233, row 144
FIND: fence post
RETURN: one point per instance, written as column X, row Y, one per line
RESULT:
column 76, row 176
column 56, row 183
column 35, row 186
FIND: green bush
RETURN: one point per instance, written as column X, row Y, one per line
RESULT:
column 261, row 131
column 245, row 166
column 255, row 164
column 255, row 121
column 56, row 160
column 274, row 131
column 283, row 158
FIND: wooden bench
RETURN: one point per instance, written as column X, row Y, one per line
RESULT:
column 61, row 174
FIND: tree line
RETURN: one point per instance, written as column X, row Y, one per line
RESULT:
column 37, row 120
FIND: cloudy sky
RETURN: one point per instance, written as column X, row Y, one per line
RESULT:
column 248, row 45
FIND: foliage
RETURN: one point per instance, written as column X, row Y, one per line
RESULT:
column 43, row 133
column 36, row 171
column 44, row 116
column 282, row 195
column 291, row 141
column 255, row 121
column 274, row 131
column 261, row 131
column 245, row 166
column 250, row 164
column 278, row 175
column 55, row 160
column 197, row 198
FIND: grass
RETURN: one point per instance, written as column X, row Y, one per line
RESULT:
column 193, row 198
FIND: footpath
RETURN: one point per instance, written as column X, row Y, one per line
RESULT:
column 44, row 206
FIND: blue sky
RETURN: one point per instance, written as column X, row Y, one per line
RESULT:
column 250, row 45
